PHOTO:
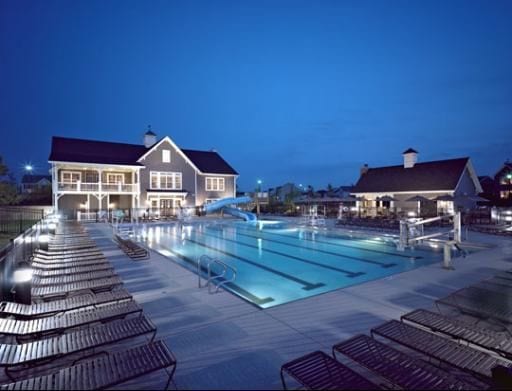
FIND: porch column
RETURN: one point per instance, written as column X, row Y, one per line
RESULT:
column 100, row 195
column 55, row 188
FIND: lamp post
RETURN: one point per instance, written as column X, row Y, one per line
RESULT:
column 258, row 190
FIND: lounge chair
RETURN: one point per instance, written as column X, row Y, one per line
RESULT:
column 68, row 279
column 45, row 265
column 71, row 247
column 32, row 354
column 319, row 371
column 497, row 341
column 105, row 372
column 442, row 349
column 66, row 253
column 480, row 302
column 53, row 292
column 68, row 258
column 30, row 311
column 42, row 327
column 132, row 249
column 399, row 368
column 68, row 271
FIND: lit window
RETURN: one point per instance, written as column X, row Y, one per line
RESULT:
column 214, row 184
column 166, row 156
column 115, row 178
column 165, row 180
column 70, row 176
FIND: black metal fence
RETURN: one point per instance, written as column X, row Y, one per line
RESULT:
column 18, row 252
column 14, row 221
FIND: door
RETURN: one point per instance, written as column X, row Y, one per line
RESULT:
column 166, row 207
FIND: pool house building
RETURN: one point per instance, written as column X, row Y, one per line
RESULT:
column 414, row 188
column 90, row 176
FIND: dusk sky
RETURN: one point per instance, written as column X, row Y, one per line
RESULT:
column 302, row 91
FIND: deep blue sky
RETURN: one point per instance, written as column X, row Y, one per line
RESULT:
column 302, row 91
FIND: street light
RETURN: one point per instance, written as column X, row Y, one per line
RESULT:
column 259, row 181
column 29, row 167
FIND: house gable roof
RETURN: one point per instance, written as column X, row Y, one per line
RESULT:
column 429, row 176
column 209, row 162
column 29, row 178
column 101, row 152
column 91, row 151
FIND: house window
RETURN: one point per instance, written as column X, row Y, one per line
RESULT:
column 214, row 184
column 166, row 180
column 70, row 176
column 166, row 156
column 115, row 178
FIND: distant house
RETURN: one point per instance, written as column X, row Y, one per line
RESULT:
column 503, row 180
column 490, row 188
column 343, row 191
column 32, row 183
column 281, row 193
column 448, row 185
column 90, row 175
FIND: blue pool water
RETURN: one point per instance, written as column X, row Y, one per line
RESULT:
column 277, row 263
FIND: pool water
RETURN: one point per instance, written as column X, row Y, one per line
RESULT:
column 277, row 263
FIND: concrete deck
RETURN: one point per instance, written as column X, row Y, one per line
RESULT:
column 223, row 342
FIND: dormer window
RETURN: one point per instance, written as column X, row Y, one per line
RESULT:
column 166, row 156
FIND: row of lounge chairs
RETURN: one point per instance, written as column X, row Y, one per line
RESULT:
column 374, row 224
column 468, row 354
column 494, row 230
column 130, row 248
column 79, row 308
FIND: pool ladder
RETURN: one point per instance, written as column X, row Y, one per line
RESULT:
column 210, row 281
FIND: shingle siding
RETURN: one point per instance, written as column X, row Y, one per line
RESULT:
column 202, row 194
column 153, row 162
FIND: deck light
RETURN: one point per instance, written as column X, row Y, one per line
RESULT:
column 22, row 275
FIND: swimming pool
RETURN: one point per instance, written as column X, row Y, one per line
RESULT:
column 278, row 263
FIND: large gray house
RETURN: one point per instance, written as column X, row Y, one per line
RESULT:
column 90, row 175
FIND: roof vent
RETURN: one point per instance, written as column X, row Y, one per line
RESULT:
column 213, row 150
column 364, row 169
column 410, row 158
column 149, row 138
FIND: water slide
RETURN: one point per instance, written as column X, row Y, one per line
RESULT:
column 224, row 205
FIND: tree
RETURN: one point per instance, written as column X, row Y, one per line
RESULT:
column 8, row 193
column 330, row 189
column 311, row 191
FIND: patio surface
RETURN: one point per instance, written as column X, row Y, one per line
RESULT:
column 223, row 342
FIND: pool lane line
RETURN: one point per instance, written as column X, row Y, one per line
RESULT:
column 348, row 273
column 381, row 264
column 234, row 287
column 307, row 286
column 412, row 257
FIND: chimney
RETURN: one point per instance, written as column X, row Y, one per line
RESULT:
column 410, row 158
column 149, row 138
column 364, row 169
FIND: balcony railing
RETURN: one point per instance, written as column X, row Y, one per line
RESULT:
column 98, row 187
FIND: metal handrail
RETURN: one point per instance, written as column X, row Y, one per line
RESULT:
column 208, row 262
column 222, row 275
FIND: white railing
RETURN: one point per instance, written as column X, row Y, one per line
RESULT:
column 97, row 187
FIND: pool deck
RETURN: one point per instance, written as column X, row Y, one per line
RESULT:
column 223, row 342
